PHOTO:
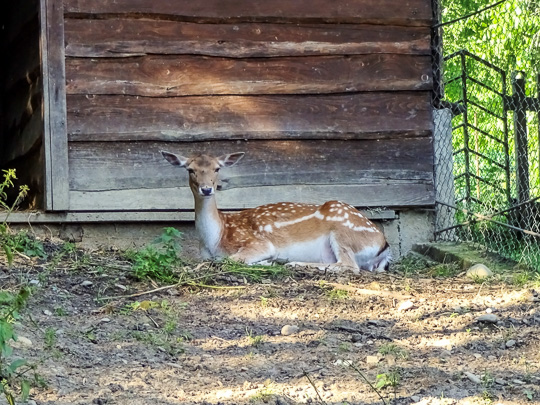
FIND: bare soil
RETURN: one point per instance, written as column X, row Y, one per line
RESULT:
column 194, row 345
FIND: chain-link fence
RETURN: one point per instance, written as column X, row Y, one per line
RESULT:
column 487, row 137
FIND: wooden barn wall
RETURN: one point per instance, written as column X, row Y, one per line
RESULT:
column 330, row 99
column 22, row 93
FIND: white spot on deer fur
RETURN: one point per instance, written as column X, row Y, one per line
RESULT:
column 340, row 211
column 336, row 218
column 261, row 228
column 316, row 214
column 268, row 228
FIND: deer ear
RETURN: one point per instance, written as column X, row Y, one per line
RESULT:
column 230, row 159
column 175, row 160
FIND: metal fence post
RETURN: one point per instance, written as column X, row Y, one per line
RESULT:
column 520, row 136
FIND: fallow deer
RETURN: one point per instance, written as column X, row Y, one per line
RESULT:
column 333, row 234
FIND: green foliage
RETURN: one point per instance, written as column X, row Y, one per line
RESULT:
column 158, row 261
column 390, row 378
column 9, row 246
column 393, row 349
column 12, row 373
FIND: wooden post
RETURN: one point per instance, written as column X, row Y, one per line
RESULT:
column 520, row 136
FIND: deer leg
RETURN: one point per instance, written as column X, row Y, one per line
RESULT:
column 255, row 252
column 344, row 255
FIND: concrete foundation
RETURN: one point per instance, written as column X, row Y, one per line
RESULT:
column 410, row 227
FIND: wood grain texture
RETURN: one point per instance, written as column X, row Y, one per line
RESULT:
column 362, row 115
column 54, row 109
column 412, row 12
column 127, row 37
column 371, row 195
column 38, row 217
column 169, row 76
column 99, row 166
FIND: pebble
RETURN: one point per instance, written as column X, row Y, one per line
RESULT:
column 372, row 359
column 24, row 341
column 105, row 320
column 288, row 330
column 500, row 381
column 356, row 337
column 488, row 318
column 519, row 382
column 405, row 306
column 416, row 398
column 475, row 379
column 47, row 312
column 510, row 343
column 37, row 283
column 86, row 283
column 479, row 271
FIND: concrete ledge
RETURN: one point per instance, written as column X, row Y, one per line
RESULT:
column 465, row 254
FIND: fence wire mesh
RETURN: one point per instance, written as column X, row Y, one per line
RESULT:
column 487, row 135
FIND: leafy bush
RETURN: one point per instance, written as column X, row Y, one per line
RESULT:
column 158, row 260
column 12, row 374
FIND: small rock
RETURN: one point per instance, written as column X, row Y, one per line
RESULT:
column 24, row 341
column 356, row 337
column 479, row 271
column 500, row 381
column 405, row 306
column 488, row 318
column 289, row 330
column 510, row 343
column 373, row 322
column 475, row 379
column 86, row 283
column 372, row 359
column 37, row 283
column 519, row 382
column 415, row 398
column 47, row 312
column 477, row 355
column 105, row 320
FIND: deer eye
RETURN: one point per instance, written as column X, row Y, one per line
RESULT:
column 217, row 170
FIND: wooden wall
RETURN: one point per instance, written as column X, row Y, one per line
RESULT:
column 21, row 96
column 330, row 99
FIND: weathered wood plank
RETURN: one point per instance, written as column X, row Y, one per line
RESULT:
column 363, row 115
column 371, row 195
column 128, row 37
column 37, row 217
column 54, row 116
column 166, row 76
column 412, row 12
column 138, row 165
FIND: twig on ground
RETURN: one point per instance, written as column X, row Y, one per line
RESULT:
column 314, row 386
column 369, row 383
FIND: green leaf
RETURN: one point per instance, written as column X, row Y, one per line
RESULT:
column 25, row 390
column 16, row 364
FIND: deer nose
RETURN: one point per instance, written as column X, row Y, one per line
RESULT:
column 206, row 191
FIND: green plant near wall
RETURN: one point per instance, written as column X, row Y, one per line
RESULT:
column 11, row 242
column 14, row 381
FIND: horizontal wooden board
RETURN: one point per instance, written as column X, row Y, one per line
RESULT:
column 370, row 195
column 412, row 12
column 98, row 166
column 362, row 115
column 171, row 76
column 127, row 37
column 38, row 217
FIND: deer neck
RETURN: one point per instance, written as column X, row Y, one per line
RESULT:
column 209, row 224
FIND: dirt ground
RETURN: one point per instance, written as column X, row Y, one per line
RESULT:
column 302, row 338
